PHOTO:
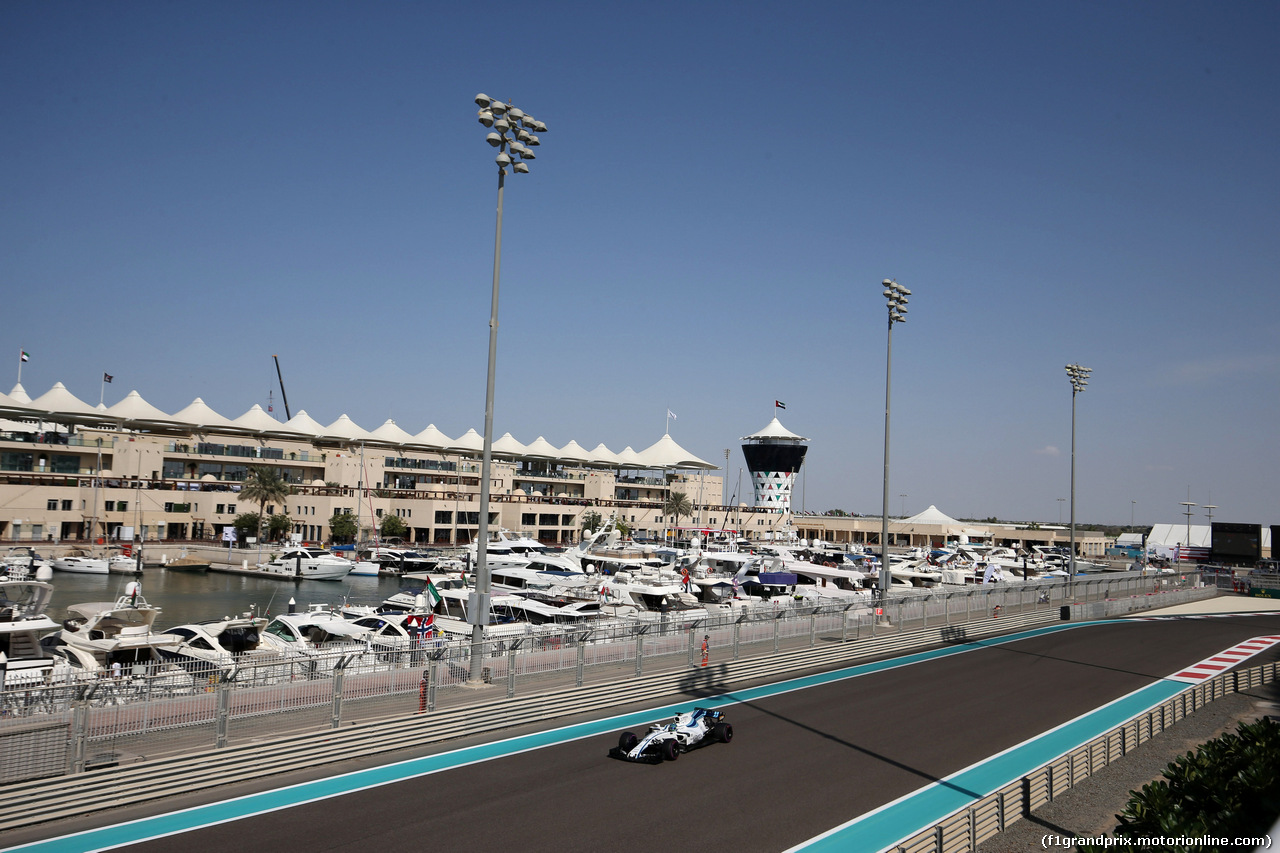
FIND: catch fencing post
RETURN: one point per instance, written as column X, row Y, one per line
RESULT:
column 339, row 675
column 582, row 658
column 777, row 617
column 433, row 679
column 813, row 628
column 511, row 670
column 692, row 661
column 639, row 654
column 737, row 632
column 78, row 734
column 223, row 691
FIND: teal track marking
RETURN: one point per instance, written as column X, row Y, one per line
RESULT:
column 889, row 824
column 950, row 793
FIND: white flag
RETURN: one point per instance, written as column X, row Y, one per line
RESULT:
column 671, row 414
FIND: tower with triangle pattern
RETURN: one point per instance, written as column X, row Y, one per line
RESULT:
column 774, row 456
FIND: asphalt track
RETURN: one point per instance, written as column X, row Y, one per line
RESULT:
column 802, row 762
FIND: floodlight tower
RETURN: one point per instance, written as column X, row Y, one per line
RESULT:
column 513, row 135
column 1079, row 377
column 896, row 297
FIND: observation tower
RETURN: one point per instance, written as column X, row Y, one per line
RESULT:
column 774, row 456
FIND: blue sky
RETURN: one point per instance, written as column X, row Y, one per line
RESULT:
column 187, row 189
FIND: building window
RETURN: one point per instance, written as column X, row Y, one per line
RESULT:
column 444, row 516
column 231, row 508
column 51, row 504
column 108, row 506
column 219, row 509
column 66, row 506
column 122, row 506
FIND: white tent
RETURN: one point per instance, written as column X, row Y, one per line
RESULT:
column 507, row 446
column 932, row 515
column 390, row 433
column 199, row 415
column 344, row 429
column 665, row 453
column 259, row 422
column 432, row 438
column 574, row 452
column 136, row 413
column 469, row 442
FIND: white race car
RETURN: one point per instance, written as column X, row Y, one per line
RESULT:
column 665, row 741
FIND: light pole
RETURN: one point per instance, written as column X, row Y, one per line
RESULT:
column 1061, row 501
column 1079, row 377
column 1187, row 512
column 1132, row 504
column 896, row 297
column 513, row 134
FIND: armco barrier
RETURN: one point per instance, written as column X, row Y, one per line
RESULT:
column 965, row 829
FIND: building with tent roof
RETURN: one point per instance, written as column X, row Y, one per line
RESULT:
column 774, row 456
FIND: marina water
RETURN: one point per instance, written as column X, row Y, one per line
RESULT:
column 200, row 596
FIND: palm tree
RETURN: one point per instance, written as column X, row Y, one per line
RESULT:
column 263, row 486
column 678, row 504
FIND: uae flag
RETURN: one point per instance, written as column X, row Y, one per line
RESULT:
column 23, row 356
column 778, row 404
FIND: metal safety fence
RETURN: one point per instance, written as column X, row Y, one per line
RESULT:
column 54, row 729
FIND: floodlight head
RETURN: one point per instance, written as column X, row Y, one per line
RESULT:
column 533, row 139
column 526, row 154
column 515, row 113
column 483, row 100
column 888, row 282
column 503, row 160
column 520, row 167
column 502, row 125
column 903, row 291
column 498, row 108
column 540, row 127
column 888, row 294
column 493, row 139
column 523, row 135
column 486, row 118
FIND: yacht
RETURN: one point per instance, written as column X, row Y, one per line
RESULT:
column 22, row 621
column 307, row 564
column 22, row 563
column 650, row 597
column 101, row 634
column 80, row 563
column 218, row 645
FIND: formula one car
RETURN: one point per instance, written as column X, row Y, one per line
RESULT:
column 665, row 741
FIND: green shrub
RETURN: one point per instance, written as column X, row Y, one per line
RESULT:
column 1229, row 787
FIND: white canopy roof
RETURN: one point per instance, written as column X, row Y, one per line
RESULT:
column 508, row 446
column 137, row 412
column 344, row 429
column 199, row 415
column 540, row 448
column 574, row 452
column 774, row 429
column 389, row 433
column 433, row 438
column 470, row 441
column 665, row 453
column 14, row 405
column 932, row 515
column 628, row 458
column 257, row 421
column 1172, row 535
column 603, row 455
column 59, row 401
column 305, row 424
column 19, row 394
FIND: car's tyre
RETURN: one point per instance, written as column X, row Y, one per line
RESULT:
column 670, row 751
column 627, row 741
column 723, row 732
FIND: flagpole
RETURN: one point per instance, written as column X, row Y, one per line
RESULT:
column 102, row 390
column 21, row 352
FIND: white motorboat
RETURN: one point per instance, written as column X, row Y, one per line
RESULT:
column 22, row 621
column 307, row 564
column 649, row 597
column 319, row 636
column 101, row 634
column 80, row 563
column 22, row 563
column 220, row 644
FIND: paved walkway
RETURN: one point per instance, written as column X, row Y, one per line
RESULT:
column 1222, row 604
